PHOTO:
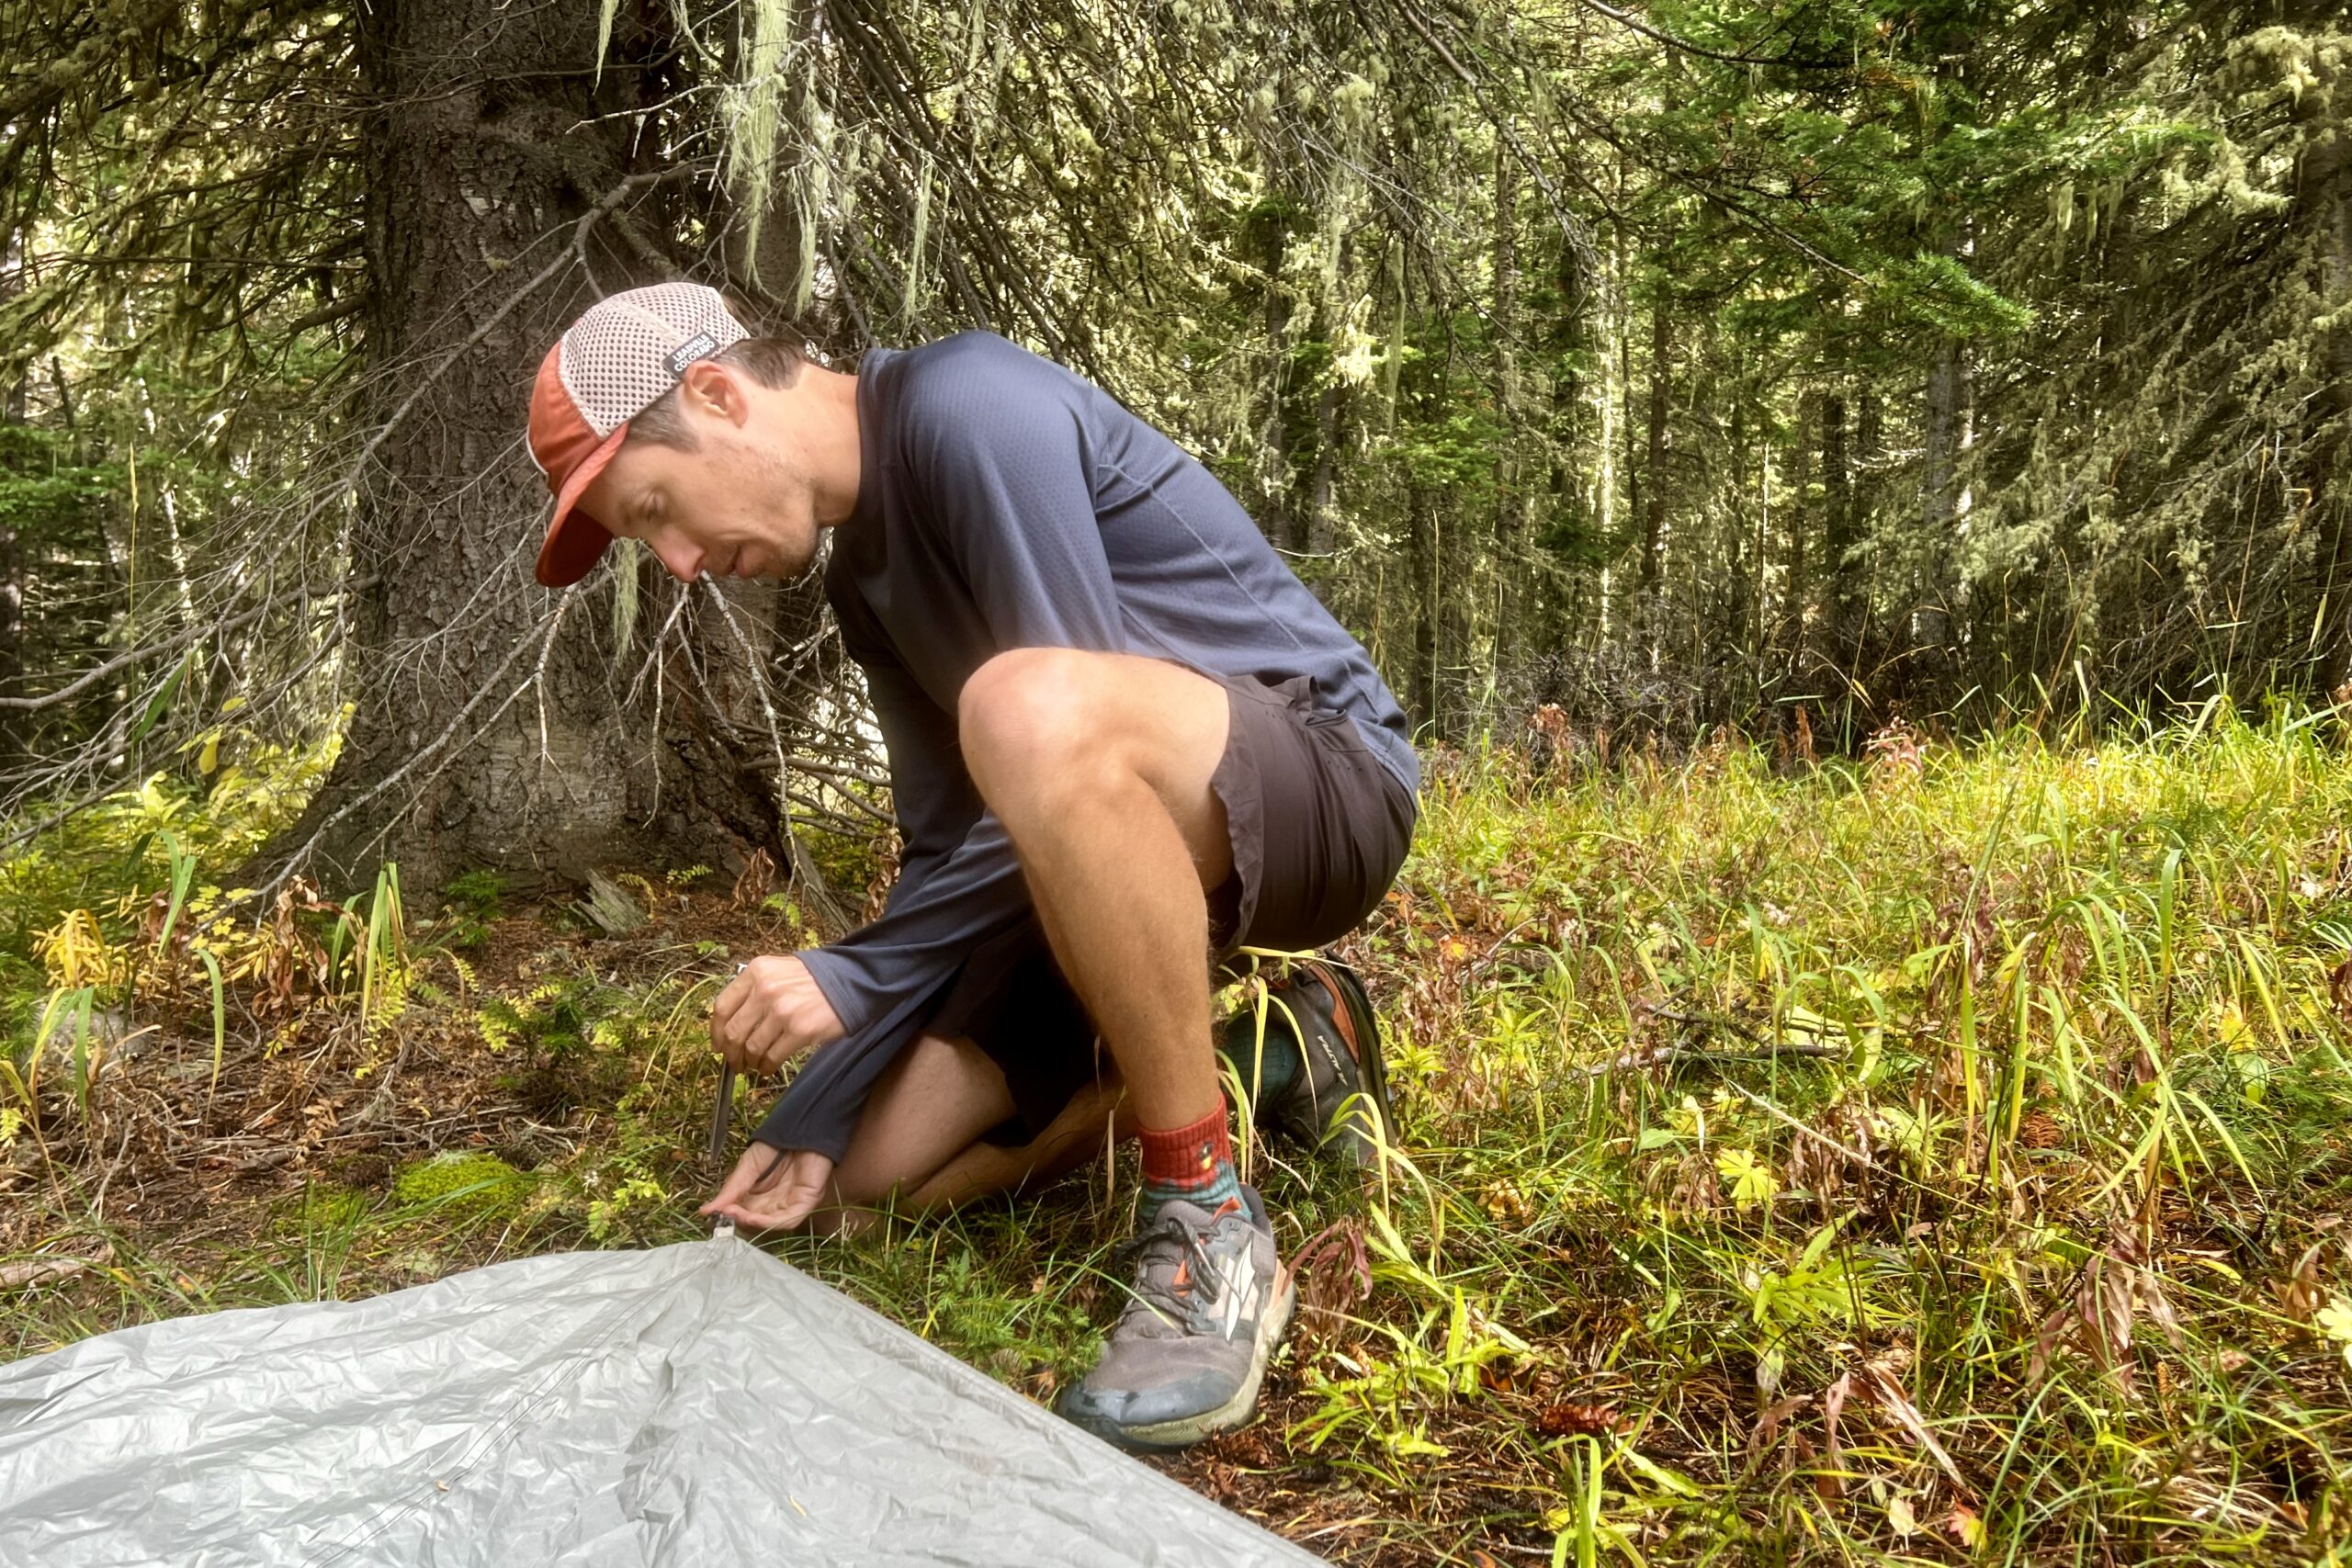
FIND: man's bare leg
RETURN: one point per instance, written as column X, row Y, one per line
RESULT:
column 1099, row 766
column 927, row 1107
column 916, row 1148
column 1095, row 1121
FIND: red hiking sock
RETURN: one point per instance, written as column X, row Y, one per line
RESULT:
column 1192, row 1162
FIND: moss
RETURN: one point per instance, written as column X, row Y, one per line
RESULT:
column 476, row 1183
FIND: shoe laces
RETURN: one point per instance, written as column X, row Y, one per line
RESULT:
column 1174, row 1288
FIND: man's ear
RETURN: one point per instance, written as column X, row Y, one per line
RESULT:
column 715, row 391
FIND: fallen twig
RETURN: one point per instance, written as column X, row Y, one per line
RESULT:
column 1661, row 1055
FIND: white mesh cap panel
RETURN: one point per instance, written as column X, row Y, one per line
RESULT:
column 629, row 349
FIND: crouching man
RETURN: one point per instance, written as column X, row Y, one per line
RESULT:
column 1124, row 740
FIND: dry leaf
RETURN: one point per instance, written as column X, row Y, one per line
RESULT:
column 757, row 881
column 1334, row 1271
column 1768, row 1423
column 2298, row 1293
column 1878, row 1383
column 1570, row 1419
column 2116, row 1287
column 49, row 1270
column 1506, row 1205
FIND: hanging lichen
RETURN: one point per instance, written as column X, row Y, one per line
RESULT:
column 756, row 118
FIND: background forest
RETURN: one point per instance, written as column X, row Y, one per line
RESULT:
column 1799, row 366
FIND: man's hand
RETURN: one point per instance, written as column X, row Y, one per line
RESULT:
column 769, row 1014
column 772, row 1189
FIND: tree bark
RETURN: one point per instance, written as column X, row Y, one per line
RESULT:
column 1421, row 508
column 480, row 737
column 12, row 564
column 1859, row 461
column 1741, row 582
column 1797, row 512
column 2327, row 182
column 12, row 283
column 1660, row 440
column 1279, row 515
column 1318, row 527
column 1569, row 522
column 1837, row 503
column 1510, row 503
column 1322, row 535
column 1939, row 492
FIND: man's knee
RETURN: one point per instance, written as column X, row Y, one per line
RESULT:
column 1033, row 715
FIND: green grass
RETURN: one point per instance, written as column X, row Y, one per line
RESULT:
column 2119, row 952
column 1945, row 1158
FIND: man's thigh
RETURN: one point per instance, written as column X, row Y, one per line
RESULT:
column 1160, row 721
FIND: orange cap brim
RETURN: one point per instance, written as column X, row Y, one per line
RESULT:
column 575, row 541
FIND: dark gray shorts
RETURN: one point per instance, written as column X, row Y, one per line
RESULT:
column 1320, row 828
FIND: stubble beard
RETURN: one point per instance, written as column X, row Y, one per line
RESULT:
column 788, row 497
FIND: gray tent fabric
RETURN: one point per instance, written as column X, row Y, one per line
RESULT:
column 698, row 1405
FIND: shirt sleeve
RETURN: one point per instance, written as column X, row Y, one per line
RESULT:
column 936, row 808
column 901, row 964
column 958, row 885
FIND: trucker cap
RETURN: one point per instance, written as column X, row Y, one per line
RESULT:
column 619, row 356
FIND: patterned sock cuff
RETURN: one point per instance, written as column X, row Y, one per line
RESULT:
column 1191, row 1158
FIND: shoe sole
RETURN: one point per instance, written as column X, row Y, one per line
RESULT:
column 1168, row 1436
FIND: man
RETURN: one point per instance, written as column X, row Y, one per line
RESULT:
column 1123, row 736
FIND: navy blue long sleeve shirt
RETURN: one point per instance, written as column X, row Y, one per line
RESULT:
column 1003, row 503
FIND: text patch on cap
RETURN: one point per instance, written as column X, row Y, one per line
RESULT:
column 699, row 346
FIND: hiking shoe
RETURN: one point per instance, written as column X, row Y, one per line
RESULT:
column 1318, row 1006
column 1209, row 1307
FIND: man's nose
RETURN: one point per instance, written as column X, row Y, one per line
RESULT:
column 681, row 560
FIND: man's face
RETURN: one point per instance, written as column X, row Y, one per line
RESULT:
column 739, row 506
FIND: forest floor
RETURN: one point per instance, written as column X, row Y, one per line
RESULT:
column 1940, row 1157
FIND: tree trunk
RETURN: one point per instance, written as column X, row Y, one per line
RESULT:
column 12, row 283
column 12, row 629
column 1837, row 503
column 1569, row 519
column 12, row 564
column 1859, row 461
column 483, row 736
column 1661, row 438
column 1280, row 515
column 2327, row 175
column 1742, row 574
column 1939, row 494
column 1421, row 507
column 1322, row 537
column 1797, row 513
column 1510, row 503
column 1318, row 526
